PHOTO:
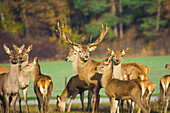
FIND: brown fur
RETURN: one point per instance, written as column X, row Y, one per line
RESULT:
column 43, row 95
column 86, row 67
column 164, row 93
column 9, row 84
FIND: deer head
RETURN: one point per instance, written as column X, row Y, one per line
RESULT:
column 29, row 67
column 72, row 55
column 60, row 104
column 14, row 56
column 167, row 66
column 82, row 49
column 127, row 76
column 117, row 55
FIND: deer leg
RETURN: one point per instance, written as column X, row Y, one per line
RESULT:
column 14, row 99
column 25, row 98
column 132, row 106
column 6, row 97
column 72, row 98
column 39, row 105
column 82, row 100
column 90, row 93
column 166, row 105
column 112, row 107
column 122, row 101
column 19, row 99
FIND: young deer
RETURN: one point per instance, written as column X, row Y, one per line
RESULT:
column 147, row 88
column 74, row 86
column 86, row 66
column 9, row 84
column 72, row 57
column 43, row 84
column 23, row 77
column 115, row 89
column 164, row 94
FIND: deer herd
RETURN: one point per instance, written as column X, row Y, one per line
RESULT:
column 121, row 81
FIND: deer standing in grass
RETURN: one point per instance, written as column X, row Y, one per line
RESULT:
column 86, row 66
column 9, row 84
column 164, row 94
column 43, row 84
column 72, row 57
column 147, row 88
column 23, row 77
column 117, row 89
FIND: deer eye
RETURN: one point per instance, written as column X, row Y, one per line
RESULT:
column 79, row 51
column 121, row 55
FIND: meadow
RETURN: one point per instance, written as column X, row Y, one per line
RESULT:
column 59, row 69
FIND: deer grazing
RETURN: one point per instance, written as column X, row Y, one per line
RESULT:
column 86, row 66
column 72, row 57
column 115, row 89
column 74, row 86
column 43, row 84
column 9, row 84
column 164, row 93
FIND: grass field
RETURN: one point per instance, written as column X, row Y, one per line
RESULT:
column 58, row 71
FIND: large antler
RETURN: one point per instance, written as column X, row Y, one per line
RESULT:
column 63, row 36
column 102, row 34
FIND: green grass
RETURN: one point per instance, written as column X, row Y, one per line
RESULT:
column 58, row 71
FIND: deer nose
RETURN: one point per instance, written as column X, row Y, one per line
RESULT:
column 95, row 68
column 66, row 59
column 86, row 56
column 117, row 60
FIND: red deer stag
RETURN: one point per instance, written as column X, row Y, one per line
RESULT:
column 86, row 66
column 72, row 57
column 9, row 84
column 43, row 84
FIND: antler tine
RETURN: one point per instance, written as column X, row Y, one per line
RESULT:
column 101, row 37
column 62, row 34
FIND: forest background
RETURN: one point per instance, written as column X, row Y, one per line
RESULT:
column 141, row 25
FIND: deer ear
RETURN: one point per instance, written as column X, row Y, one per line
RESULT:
column 125, row 51
column 6, row 49
column 30, row 47
column 58, row 98
column 92, row 48
column 35, row 60
column 132, row 73
column 22, row 47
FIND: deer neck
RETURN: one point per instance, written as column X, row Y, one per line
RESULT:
column 117, row 71
column 74, row 65
column 83, row 68
column 13, row 74
column 107, row 75
column 35, row 72
column 65, row 96
column 23, row 64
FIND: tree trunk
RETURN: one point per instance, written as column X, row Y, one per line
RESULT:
column 113, row 9
column 121, row 23
column 2, row 18
column 158, row 15
column 24, row 18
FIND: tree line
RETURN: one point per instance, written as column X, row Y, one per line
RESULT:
column 143, row 25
